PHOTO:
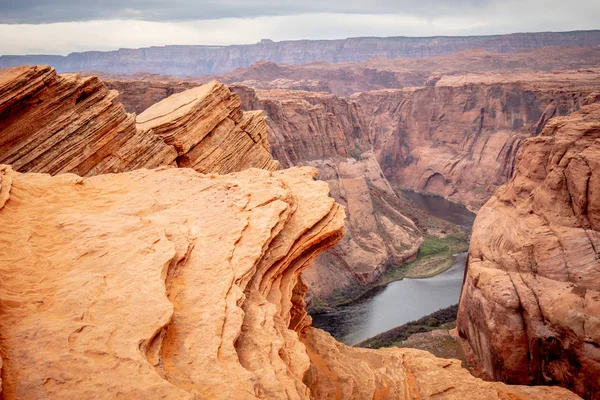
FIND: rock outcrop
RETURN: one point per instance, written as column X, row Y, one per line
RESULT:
column 171, row 284
column 530, row 304
column 67, row 123
column 197, row 60
column 457, row 138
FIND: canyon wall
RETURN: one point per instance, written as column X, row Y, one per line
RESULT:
column 530, row 304
column 168, row 283
column 68, row 123
column 326, row 132
column 197, row 60
column 458, row 138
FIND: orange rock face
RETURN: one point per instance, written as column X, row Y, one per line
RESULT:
column 530, row 305
column 459, row 137
column 325, row 131
column 66, row 123
column 171, row 284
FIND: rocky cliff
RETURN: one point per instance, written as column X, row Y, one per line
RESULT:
column 197, row 60
column 167, row 283
column 530, row 304
column 458, row 137
column 67, row 123
column 326, row 132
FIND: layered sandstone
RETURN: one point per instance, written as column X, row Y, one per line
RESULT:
column 171, row 284
column 65, row 123
column 196, row 60
column 68, row 123
column 209, row 130
column 530, row 304
column 458, row 137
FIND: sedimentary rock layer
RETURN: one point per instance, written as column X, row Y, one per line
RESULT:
column 459, row 137
column 530, row 304
column 64, row 123
column 171, row 284
column 209, row 131
column 344, row 79
column 67, row 123
column 195, row 60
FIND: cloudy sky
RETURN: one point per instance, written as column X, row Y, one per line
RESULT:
column 64, row 26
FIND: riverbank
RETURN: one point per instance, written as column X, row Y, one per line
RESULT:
column 435, row 256
column 441, row 319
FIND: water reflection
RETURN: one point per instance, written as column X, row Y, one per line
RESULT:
column 442, row 208
column 394, row 304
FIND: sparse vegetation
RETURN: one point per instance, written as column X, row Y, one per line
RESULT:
column 435, row 257
column 395, row 336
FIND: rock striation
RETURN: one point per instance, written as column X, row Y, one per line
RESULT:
column 459, row 137
column 201, row 60
column 68, row 123
column 168, row 283
column 530, row 304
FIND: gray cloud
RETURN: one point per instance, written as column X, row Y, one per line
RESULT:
column 44, row 11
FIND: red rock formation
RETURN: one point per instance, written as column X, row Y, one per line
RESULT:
column 171, row 284
column 458, row 138
column 66, row 123
column 530, row 305
column 325, row 131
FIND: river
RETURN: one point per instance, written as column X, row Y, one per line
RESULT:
column 399, row 302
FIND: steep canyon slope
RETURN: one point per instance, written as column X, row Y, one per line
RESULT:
column 530, row 304
column 458, row 138
column 197, row 60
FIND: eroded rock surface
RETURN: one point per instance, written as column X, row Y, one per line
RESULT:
column 68, row 123
column 171, row 284
column 459, row 137
column 326, row 132
column 530, row 305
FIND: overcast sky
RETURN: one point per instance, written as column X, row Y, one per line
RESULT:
column 64, row 26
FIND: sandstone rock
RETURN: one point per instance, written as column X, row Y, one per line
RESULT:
column 344, row 79
column 66, row 123
column 171, row 284
column 530, row 305
column 209, row 130
column 55, row 124
column 459, row 138
column 325, row 131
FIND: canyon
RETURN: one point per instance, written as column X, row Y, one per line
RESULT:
column 171, row 283
column 456, row 137
column 202, row 60
column 224, row 260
